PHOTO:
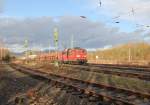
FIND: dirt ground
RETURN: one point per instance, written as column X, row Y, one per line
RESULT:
column 48, row 94
column 13, row 83
column 19, row 89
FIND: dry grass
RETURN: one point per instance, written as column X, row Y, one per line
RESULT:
column 122, row 82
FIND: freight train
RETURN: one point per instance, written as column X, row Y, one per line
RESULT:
column 71, row 56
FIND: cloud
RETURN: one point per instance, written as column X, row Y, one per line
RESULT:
column 39, row 32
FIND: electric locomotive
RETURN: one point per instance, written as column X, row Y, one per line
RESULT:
column 73, row 55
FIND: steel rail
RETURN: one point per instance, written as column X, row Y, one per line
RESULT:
column 123, row 67
column 120, row 72
column 114, row 94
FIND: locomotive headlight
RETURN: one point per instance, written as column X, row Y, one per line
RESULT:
column 78, row 56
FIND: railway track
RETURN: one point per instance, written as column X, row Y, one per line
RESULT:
column 123, row 67
column 125, row 72
column 97, row 92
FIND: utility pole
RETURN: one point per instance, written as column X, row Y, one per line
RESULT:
column 56, row 44
column 64, row 45
column 72, row 41
column 49, row 46
column 1, row 53
column 56, row 38
column 129, row 54
column 26, row 47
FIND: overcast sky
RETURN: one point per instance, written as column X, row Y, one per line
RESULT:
column 114, row 22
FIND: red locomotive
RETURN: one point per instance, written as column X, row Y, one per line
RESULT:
column 71, row 55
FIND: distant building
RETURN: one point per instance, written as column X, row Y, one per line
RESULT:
column 3, row 52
